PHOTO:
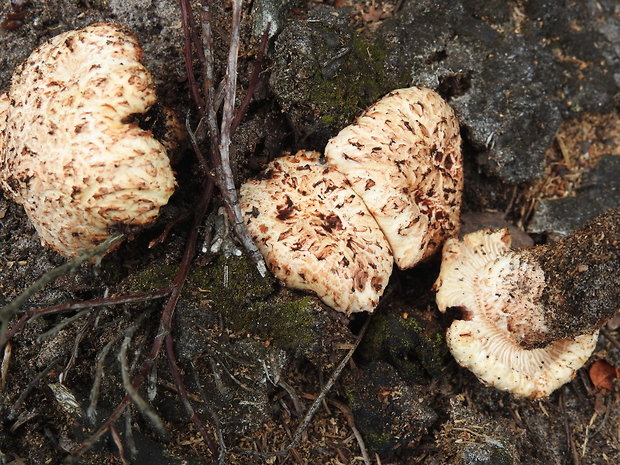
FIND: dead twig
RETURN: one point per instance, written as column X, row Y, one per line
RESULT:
column 4, row 369
column 315, row 405
column 254, row 80
column 119, row 445
column 346, row 411
column 7, row 312
column 35, row 381
column 71, row 306
column 221, row 460
column 143, row 407
column 225, row 175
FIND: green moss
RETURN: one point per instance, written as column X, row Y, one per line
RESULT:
column 152, row 277
column 248, row 303
column 405, row 344
column 359, row 81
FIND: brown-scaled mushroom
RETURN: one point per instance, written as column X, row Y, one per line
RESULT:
column 403, row 157
column 530, row 316
column 316, row 233
column 69, row 150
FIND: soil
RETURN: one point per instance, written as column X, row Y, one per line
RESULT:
column 254, row 356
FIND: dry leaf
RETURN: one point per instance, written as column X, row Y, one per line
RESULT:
column 602, row 374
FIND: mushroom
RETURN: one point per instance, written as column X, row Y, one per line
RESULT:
column 70, row 152
column 530, row 316
column 403, row 157
column 316, row 233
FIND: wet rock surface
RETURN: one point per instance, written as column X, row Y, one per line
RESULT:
column 509, row 74
column 599, row 191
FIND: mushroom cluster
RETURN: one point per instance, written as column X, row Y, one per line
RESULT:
column 390, row 191
column 530, row 317
column 70, row 152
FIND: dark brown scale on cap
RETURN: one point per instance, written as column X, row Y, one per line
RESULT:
column 322, row 233
column 392, row 156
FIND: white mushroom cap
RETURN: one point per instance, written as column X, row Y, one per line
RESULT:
column 69, row 152
column 403, row 157
column 316, row 233
column 498, row 291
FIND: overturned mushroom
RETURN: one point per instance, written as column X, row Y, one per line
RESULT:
column 69, row 151
column 403, row 157
column 316, row 233
column 530, row 317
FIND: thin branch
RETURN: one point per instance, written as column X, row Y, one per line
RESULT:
column 227, row 184
column 188, row 22
column 7, row 312
column 70, row 306
column 254, row 80
column 315, row 405
column 119, row 445
column 143, row 407
column 35, row 381
column 165, row 320
column 180, row 385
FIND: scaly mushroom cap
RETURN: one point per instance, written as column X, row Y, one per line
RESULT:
column 403, row 157
column 69, row 152
column 498, row 291
column 316, row 233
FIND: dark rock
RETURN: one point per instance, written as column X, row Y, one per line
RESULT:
column 268, row 13
column 411, row 342
column 509, row 76
column 599, row 191
column 326, row 74
column 387, row 411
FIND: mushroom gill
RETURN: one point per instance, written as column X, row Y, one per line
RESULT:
column 499, row 292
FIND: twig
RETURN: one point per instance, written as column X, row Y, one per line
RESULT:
column 180, row 385
column 224, row 170
column 22, row 397
column 131, row 442
column 91, row 411
column 67, row 307
column 315, row 405
column 294, row 397
column 254, row 80
column 4, row 369
column 142, row 406
column 119, row 445
column 216, row 420
column 76, row 345
column 7, row 312
column 187, row 19
column 346, row 411
column 60, row 326
column 165, row 320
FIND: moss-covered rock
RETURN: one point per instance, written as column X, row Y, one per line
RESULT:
column 411, row 343
column 326, row 74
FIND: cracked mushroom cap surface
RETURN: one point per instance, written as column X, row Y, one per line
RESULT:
column 403, row 157
column 69, row 152
column 498, row 292
column 316, row 233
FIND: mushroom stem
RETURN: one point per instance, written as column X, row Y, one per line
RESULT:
column 582, row 280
